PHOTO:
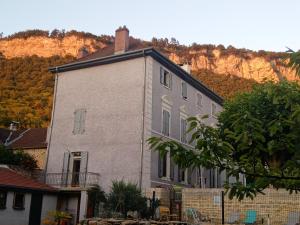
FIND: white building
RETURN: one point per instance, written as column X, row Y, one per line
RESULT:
column 106, row 106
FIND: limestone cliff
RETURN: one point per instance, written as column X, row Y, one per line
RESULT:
column 243, row 63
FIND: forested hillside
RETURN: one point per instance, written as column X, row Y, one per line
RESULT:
column 26, row 89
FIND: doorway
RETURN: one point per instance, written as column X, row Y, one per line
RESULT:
column 76, row 172
column 35, row 209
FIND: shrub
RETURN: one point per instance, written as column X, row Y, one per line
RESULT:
column 125, row 197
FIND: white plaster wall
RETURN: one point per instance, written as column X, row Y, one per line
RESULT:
column 10, row 216
column 112, row 95
column 49, row 204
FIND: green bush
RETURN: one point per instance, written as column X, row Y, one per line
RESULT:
column 18, row 158
column 125, row 197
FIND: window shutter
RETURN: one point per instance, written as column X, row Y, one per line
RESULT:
column 65, row 169
column 189, row 178
column 82, row 121
column 179, row 174
column 167, row 123
column 184, row 90
column 160, row 166
column 199, row 99
column 161, row 75
column 76, row 121
column 83, row 167
column 171, row 169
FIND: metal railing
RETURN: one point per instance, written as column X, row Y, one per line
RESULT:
column 81, row 179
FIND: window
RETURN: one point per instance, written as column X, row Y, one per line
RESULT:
column 165, row 77
column 79, row 121
column 183, row 129
column 184, row 90
column 19, row 201
column 213, row 109
column 166, row 122
column 199, row 100
column 3, row 196
column 162, row 166
column 182, row 175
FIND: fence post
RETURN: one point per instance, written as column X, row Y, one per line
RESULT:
column 222, row 205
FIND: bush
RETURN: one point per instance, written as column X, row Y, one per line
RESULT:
column 125, row 197
column 19, row 158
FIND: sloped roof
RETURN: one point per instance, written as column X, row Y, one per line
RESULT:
column 4, row 134
column 31, row 138
column 13, row 180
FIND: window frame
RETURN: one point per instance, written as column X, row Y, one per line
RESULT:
column 4, row 199
column 23, row 201
column 163, row 72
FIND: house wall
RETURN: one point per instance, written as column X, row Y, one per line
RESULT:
column 10, row 216
column 113, row 97
column 188, row 107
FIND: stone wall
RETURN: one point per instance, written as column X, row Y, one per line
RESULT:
column 273, row 206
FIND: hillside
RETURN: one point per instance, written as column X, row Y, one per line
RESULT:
column 218, row 59
column 26, row 86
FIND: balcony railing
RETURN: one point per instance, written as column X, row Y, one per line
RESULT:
column 82, row 179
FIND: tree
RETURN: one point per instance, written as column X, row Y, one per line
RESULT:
column 257, row 136
column 126, row 197
column 18, row 158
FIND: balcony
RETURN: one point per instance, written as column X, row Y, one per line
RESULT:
column 72, row 180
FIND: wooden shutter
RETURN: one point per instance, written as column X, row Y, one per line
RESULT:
column 82, row 121
column 189, row 176
column 166, row 123
column 65, row 168
column 160, row 166
column 83, row 167
column 171, row 169
column 161, row 75
column 184, row 90
column 77, row 117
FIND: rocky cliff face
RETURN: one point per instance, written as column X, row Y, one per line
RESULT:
column 253, row 67
column 47, row 47
column 247, row 65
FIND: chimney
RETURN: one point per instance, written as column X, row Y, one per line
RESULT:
column 186, row 67
column 121, row 40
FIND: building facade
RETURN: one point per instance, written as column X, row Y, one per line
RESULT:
column 107, row 106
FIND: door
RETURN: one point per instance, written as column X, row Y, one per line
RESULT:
column 76, row 172
column 35, row 209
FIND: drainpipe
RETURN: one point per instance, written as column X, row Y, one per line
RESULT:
column 143, row 122
column 52, row 121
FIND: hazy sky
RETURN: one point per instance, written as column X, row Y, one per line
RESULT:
column 252, row 24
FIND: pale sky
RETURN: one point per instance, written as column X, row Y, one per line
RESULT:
column 253, row 24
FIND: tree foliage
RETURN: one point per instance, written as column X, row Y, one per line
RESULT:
column 17, row 158
column 257, row 136
column 26, row 90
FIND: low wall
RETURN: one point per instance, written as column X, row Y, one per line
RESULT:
column 160, row 193
column 273, row 206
